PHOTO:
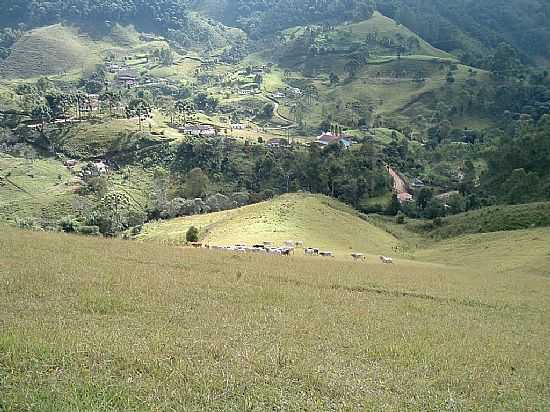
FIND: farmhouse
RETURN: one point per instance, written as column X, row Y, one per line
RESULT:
column 198, row 130
column 127, row 77
column 295, row 92
column 327, row 138
column 90, row 103
column 277, row 142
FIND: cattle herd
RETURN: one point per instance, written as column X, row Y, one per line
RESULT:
column 289, row 247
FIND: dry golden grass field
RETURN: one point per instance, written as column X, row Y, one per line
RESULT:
column 89, row 324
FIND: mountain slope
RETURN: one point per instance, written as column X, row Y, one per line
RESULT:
column 50, row 50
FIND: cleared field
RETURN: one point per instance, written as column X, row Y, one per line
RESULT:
column 506, row 252
column 317, row 220
column 495, row 219
column 97, row 138
column 113, row 325
column 51, row 50
column 33, row 188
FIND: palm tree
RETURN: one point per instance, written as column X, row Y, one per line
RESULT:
column 310, row 93
column 185, row 109
column 111, row 99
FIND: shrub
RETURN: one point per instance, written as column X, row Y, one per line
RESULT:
column 27, row 224
column 400, row 218
column 68, row 225
column 192, row 234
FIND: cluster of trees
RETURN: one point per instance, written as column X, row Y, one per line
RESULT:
column 470, row 26
column 264, row 17
column 350, row 175
column 452, row 25
column 8, row 36
column 517, row 166
column 163, row 14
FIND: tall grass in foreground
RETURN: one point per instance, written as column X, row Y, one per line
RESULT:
column 95, row 325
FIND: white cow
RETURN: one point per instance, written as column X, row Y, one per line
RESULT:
column 358, row 256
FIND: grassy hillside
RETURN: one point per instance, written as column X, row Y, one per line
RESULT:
column 494, row 219
column 98, row 138
column 151, row 327
column 33, row 188
column 317, row 220
column 47, row 51
column 507, row 253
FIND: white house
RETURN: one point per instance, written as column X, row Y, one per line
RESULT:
column 198, row 130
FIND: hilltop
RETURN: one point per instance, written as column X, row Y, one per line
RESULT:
column 318, row 221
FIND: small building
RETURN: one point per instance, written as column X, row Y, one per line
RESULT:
column 417, row 183
column 238, row 126
column 198, row 130
column 95, row 169
column 294, row 91
column 127, row 77
column 90, row 103
column 113, row 67
column 277, row 142
column 327, row 138
column 405, row 197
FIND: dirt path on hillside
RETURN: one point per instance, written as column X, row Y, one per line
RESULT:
column 279, row 115
column 399, row 184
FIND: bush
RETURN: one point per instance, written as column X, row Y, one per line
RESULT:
column 27, row 224
column 68, row 225
column 192, row 234
column 400, row 218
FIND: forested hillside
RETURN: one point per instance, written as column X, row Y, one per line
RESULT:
column 469, row 27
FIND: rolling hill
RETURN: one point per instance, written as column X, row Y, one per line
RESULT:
column 494, row 219
column 319, row 221
column 50, row 50
column 262, row 332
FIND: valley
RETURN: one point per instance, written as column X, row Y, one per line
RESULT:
column 304, row 205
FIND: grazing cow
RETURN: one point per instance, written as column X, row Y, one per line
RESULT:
column 286, row 251
column 358, row 256
column 326, row 254
column 289, row 243
column 311, row 251
column 386, row 260
column 299, row 243
column 196, row 245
